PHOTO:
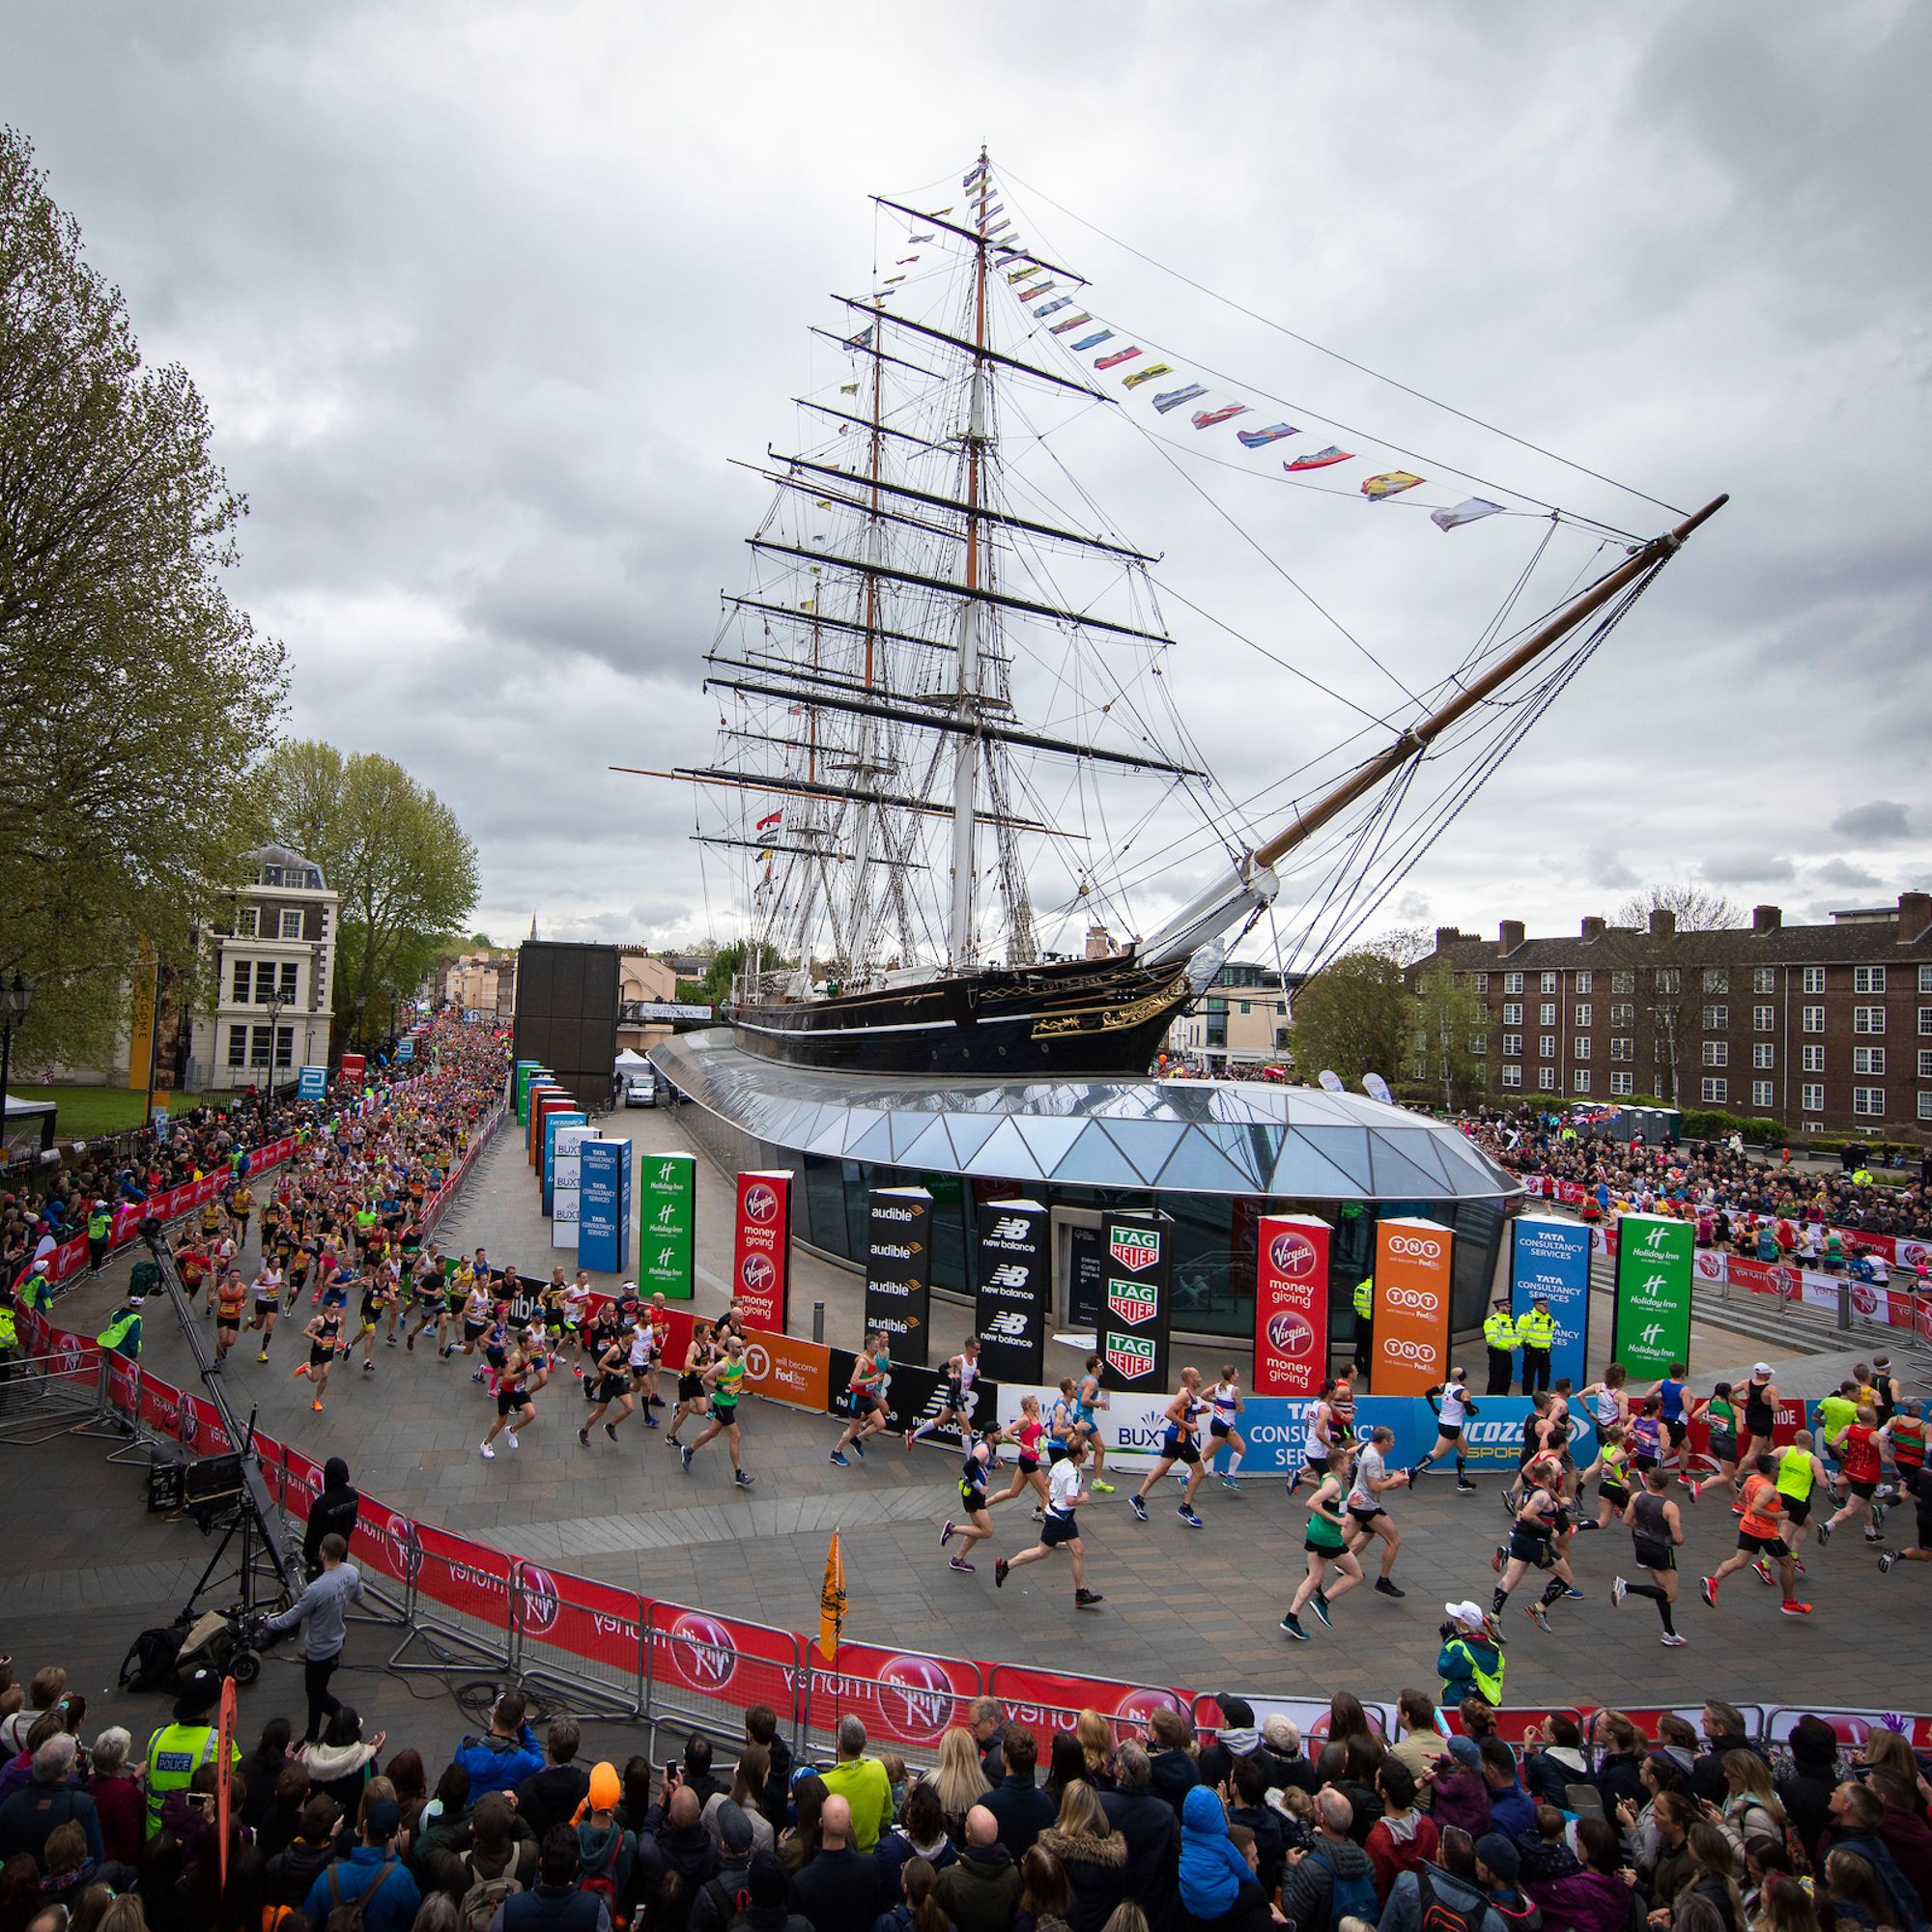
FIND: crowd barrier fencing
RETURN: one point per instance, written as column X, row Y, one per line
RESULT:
column 909, row 1699
column 704, row 1670
column 586, row 1639
column 460, row 1601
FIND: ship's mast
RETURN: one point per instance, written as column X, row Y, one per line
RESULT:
column 863, row 773
column 966, row 768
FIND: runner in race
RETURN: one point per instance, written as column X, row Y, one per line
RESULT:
column 380, row 1292
column 1225, row 1405
column 1656, row 1531
column 1919, row 1485
column 1612, row 1469
column 1318, row 1439
column 1532, row 1544
column 577, row 1305
column 1177, row 1444
column 1904, row 1442
column 231, row 1295
column 324, row 1338
column 1800, row 1477
column 1759, row 1543
column 658, row 1314
column 1719, row 1409
column 267, row 1306
column 1760, row 1407
column 963, row 1371
column 1540, row 1439
column 864, row 1398
column 1670, row 1393
column 1028, row 1433
column 1324, row 1545
column 1059, row 1430
column 609, row 1381
column 1646, row 1435
column 426, row 1293
column 1453, row 1406
column 640, row 1366
column 726, row 1381
column 515, row 1410
column 974, row 1524
column 698, row 1353
column 1091, row 1398
column 539, row 1356
column 1060, row 1530
column 495, row 1346
column 1859, row 1455
column 478, row 1309
column 1372, row 1481
column 238, row 1203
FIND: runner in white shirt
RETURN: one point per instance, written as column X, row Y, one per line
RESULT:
column 1063, row 1496
column 1225, row 1400
column 956, row 1407
column 1365, row 1506
column 1453, row 1406
column 1317, row 1444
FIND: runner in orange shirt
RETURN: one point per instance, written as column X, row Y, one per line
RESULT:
column 1758, row 1540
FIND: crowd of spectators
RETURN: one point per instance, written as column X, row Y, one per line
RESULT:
column 1717, row 1178
column 1080, row 1831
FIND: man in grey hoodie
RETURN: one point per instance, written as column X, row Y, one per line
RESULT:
column 323, row 1607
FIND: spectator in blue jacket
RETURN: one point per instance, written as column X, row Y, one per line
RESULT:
column 373, row 1873
column 508, row 1754
column 1512, row 1813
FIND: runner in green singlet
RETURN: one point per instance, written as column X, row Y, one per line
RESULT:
column 725, row 1380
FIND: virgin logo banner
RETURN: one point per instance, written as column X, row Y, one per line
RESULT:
column 1041, row 1697
column 1291, row 1304
column 762, row 1249
column 904, row 1698
column 1411, row 1308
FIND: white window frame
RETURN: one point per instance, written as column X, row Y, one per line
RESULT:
column 1713, row 1091
column 1764, row 1055
column 1925, row 1107
column 1481, row 982
column 1622, row 1083
column 1926, row 978
column 1869, row 1103
column 1580, row 1047
column 247, row 921
column 1811, row 1059
column 1584, row 982
column 1764, row 979
column 1624, row 1015
column 1764, row 1093
column 1546, row 1013
column 1867, row 979
column 292, row 922
column 1925, row 1021
column 1716, row 1019
column 1549, row 982
column 1814, row 978
column 1579, row 1080
column 1546, row 1047
column 1512, row 1046
column 1867, row 1019
column 1623, row 980
column 1925, row 1062
column 1623, row 1049
column 1716, row 978
column 1814, row 1019
column 1512, row 1075
column 1717, row 1053
column 237, row 1046
column 1868, row 1059
column 1811, row 1096
column 1764, row 1019
column 1580, row 1015
column 1512, row 1012
column 1512, row 982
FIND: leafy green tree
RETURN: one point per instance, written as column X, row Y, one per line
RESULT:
column 1355, row 1016
column 134, row 696
column 404, row 868
column 1447, row 1019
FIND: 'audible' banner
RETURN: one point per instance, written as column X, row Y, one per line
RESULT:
column 899, row 1269
column 1292, row 1305
column 1411, row 1307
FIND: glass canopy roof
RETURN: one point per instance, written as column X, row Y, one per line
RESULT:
column 1182, row 1136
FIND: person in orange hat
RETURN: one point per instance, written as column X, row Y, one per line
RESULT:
column 603, row 1848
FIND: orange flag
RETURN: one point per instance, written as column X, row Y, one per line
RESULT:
column 224, row 1772
column 832, row 1602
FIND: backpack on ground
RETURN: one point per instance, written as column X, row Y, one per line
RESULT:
column 480, row 1903
column 351, row 1914
column 150, row 1661
column 1437, row 1914
column 1350, row 1897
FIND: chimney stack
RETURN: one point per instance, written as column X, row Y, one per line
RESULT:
column 1593, row 927
column 1765, row 918
column 1662, row 922
column 1914, row 914
column 1509, row 936
column 1445, row 936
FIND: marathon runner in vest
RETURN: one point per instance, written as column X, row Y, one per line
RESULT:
column 210, row 1220
column 1859, row 1455
column 1540, row 1439
column 1917, row 1483
column 1092, row 1398
column 640, row 1364
column 496, row 1347
column 1500, row 1342
column 381, row 1291
column 457, row 1285
column 1759, row 1543
column 1453, row 1406
column 1059, row 1430
column 1903, row 1438
column 515, row 1410
column 1029, row 1434
column 1060, row 1530
column 538, row 1347
column 239, row 1204
column 477, row 1307
column 577, row 1306
column 1612, row 1471
column 658, row 1315
column 324, row 1338
column 963, row 1371
column 192, row 1265
column 427, row 1293
column 1760, row 1407
column 1719, row 1411
column 1179, row 1443
column 1318, row 1439
column 1365, row 1325
column 1532, row 1545
column 1373, row 1481
column 1656, row 1531
column 725, row 1380
column 268, row 1305
column 230, row 1298
column 1799, row 1476
column 1537, row 1334
column 1225, row 1405
column 1670, row 1393
column 699, row 1352
column 974, row 1524
column 864, row 1398
column 1324, row 1545
column 1885, row 1391
column 609, row 1381
column 1646, row 1435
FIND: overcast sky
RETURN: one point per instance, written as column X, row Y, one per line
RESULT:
column 482, row 298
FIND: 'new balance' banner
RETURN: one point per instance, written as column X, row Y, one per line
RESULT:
column 1010, row 1311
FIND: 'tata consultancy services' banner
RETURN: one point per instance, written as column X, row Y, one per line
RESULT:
column 1552, row 1258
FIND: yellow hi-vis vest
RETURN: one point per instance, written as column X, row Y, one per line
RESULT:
column 174, row 1755
column 1365, row 1298
column 1536, row 1331
column 1498, row 1330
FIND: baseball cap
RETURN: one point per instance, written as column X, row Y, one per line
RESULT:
column 1760, row 1368
column 1465, row 1612
column 385, row 1820
column 1465, row 1751
column 1501, row 1857
column 734, row 1828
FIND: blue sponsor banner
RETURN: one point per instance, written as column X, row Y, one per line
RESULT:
column 551, row 1123
column 1492, row 1440
column 604, row 1206
column 406, row 1047
column 312, row 1083
column 1552, row 1258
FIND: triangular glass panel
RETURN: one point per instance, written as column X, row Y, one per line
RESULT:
column 1093, row 1160
column 1005, row 1152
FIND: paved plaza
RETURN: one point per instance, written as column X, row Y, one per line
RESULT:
column 1193, row 1607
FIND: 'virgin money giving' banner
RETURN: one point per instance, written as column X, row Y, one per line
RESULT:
column 1292, row 1305
column 762, row 1249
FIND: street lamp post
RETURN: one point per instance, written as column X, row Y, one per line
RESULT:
column 276, row 1006
column 17, row 997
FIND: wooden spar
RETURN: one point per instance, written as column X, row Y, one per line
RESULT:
column 1419, row 737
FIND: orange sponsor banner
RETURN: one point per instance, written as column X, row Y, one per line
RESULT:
column 783, row 1369
column 1411, row 1318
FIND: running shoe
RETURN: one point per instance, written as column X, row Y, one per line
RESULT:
column 999, row 1570
column 858, row 1449
column 1878, row 1520
column 947, row 1534
column 1886, row 1561
column 1138, row 1507
column 610, row 1430
column 960, row 1563
column 1414, row 1474
column 1497, row 1560
column 1672, row 1642
column 1707, row 1588
column 390, row 1343
column 1290, row 1625
column 1085, row 1600
column 410, row 1344
column 1104, row 1488
column 317, row 1406
column 1697, row 1489
column 1230, row 1483
column 1575, row 1596
column 910, row 1440
column 1318, row 1604
column 1619, row 1590
column 1463, row 1489
column 489, row 1454
column 299, row 1372
column 1872, row 1536
column 1038, row 1514
column 1188, row 1517
column 1384, row 1587
column 1588, row 1522
column 1800, row 1568
column 478, row 1377
column 743, row 1478
column 1762, row 1571
column 1535, row 1613
column 1792, row 1608
column 685, row 1454
column 1824, row 1534
column 840, row 1459
column 369, row 1368
column 671, row 1442
column 584, row 1438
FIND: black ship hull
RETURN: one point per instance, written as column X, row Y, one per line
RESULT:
column 1079, row 1016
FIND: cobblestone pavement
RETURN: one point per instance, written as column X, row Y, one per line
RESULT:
column 1198, row 1607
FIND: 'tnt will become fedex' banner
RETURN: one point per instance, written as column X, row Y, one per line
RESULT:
column 1411, row 1311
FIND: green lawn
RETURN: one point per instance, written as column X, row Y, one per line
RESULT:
column 87, row 1111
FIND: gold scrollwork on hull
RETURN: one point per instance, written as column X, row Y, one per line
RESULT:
column 1108, row 1018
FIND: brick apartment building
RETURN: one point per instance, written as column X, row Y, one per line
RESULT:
column 1818, row 1026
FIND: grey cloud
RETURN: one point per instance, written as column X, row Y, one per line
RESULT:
column 1739, row 869
column 1882, row 822
column 1842, row 872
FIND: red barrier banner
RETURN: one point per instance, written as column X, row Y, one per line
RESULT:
column 720, row 1657
column 68, row 1259
column 69, row 1359
column 468, row 1577
column 595, row 1621
column 160, row 1408
column 1290, row 1305
column 762, row 1249
column 302, row 1483
column 1039, row 1697
column 906, row 1698
column 200, row 1429
column 385, row 1541
column 123, row 1383
column 1764, row 1277
column 1852, row 1727
column 1310, row 1716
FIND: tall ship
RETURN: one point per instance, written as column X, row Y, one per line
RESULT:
column 949, row 755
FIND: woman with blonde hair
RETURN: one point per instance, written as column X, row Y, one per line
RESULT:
column 1752, row 1809
column 1097, row 1747
column 958, row 1778
column 1092, row 1854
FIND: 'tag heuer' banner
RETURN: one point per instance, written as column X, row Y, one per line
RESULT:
column 1292, row 1305
column 762, row 1249
column 1411, row 1311
column 1137, row 1272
